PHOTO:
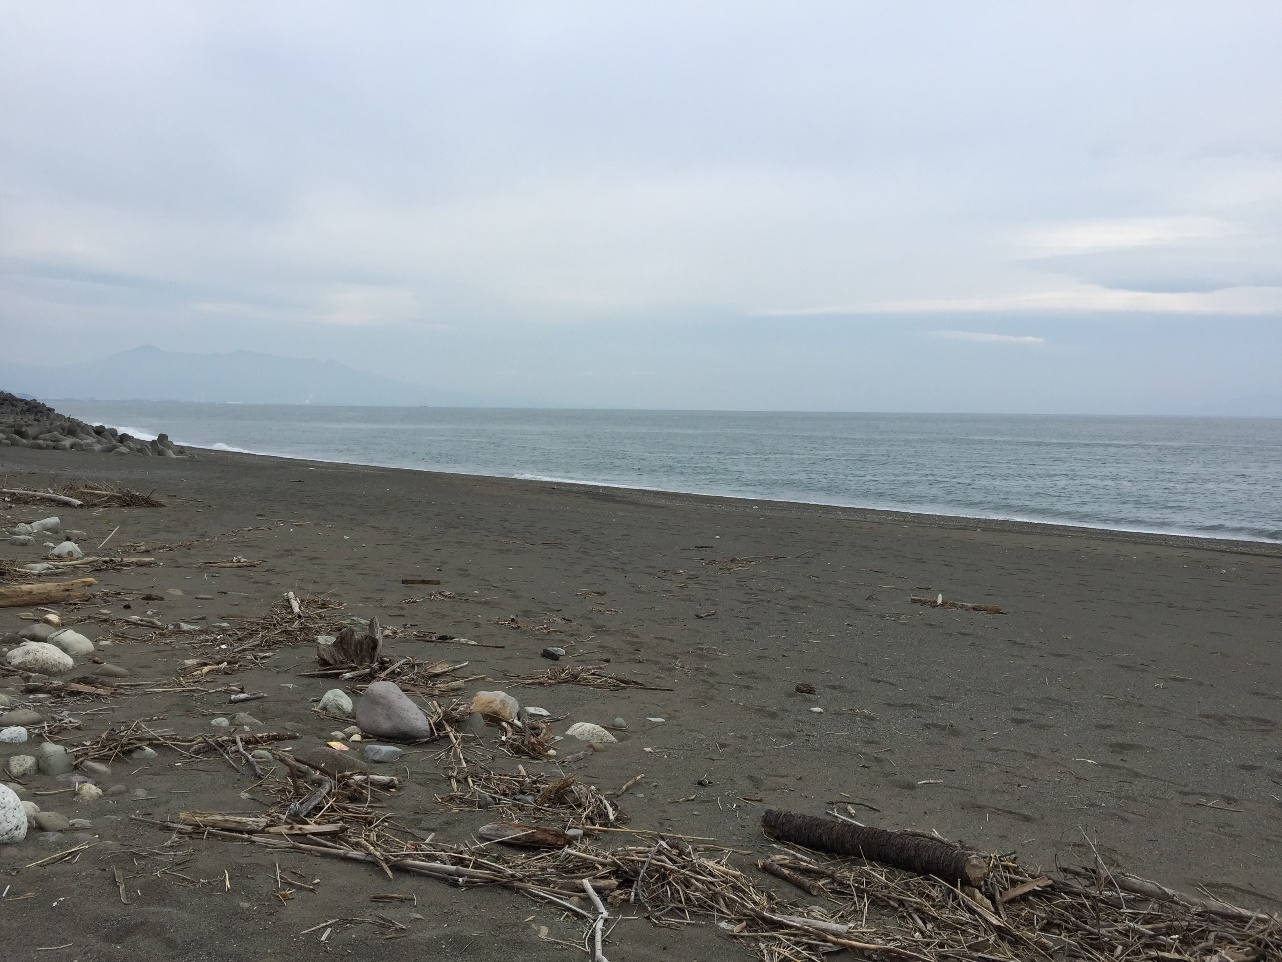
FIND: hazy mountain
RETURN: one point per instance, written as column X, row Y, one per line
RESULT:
column 149, row 374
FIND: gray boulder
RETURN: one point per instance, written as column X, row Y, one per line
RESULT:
column 385, row 711
column 336, row 702
column 37, row 632
column 54, row 759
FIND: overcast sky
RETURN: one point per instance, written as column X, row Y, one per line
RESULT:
column 892, row 206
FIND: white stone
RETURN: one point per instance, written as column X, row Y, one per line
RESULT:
column 88, row 792
column 13, row 817
column 336, row 702
column 22, row 766
column 67, row 551
column 14, row 735
column 40, row 657
column 588, row 732
column 72, row 642
column 45, row 524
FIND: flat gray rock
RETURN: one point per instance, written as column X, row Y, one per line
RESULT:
column 382, row 754
column 21, row 716
column 385, row 711
column 52, row 822
column 36, row 632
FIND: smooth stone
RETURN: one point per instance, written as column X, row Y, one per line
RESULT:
column 385, row 711
column 220, row 723
column 382, row 754
column 143, row 754
column 51, row 525
column 88, row 792
column 32, row 810
column 72, row 642
column 330, row 761
column 6, row 701
column 54, row 759
column 22, row 766
column 22, row 716
column 75, row 534
column 13, row 817
column 588, row 732
column 484, row 800
column 657, row 721
column 553, row 653
column 336, row 702
column 244, row 718
column 20, row 540
column 52, row 822
column 262, row 755
column 19, row 790
column 116, row 791
column 21, row 530
column 817, row 710
column 534, row 712
column 620, row 724
column 523, row 799
column 79, row 825
column 14, row 735
column 37, row 632
column 111, row 671
column 495, row 706
column 40, row 658
column 97, row 769
column 176, row 592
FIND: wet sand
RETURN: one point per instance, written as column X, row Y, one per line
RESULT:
column 1129, row 698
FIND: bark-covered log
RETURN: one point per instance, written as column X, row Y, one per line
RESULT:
column 41, row 593
column 915, row 853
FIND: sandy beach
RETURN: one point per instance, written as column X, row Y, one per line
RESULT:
column 1128, row 699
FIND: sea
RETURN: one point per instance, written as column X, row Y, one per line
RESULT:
column 1204, row 477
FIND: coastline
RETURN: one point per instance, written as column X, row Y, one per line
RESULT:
column 1131, row 694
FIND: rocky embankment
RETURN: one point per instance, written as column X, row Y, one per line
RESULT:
column 30, row 424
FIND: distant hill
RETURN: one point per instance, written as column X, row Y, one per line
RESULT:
column 149, row 374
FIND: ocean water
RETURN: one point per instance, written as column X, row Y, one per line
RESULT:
column 1209, row 477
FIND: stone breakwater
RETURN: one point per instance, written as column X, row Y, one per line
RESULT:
column 30, row 424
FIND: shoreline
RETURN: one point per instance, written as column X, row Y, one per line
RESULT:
column 1129, row 697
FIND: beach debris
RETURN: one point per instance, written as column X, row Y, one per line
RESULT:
column 915, row 853
column 44, row 525
column 589, row 676
column 495, row 706
column 805, row 688
column 525, row 836
column 41, row 496
column 40, row 658
column 420, row 581
column 13, row 817
column 588, row 732
column 52, row 620
column 940, row 601
column 233, row 563
column 44, row 593
column 385, row 711
column 349, row 651
column 336, row 702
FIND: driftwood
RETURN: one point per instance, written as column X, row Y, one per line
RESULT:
column 915, row 853
column 351, row 651
column 942, row 602
column 44, row 592
column 525, row 836
column 420, row 581
column 228, row 823
column 43, row 496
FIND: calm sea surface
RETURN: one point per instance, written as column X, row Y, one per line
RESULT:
column 1215, row 477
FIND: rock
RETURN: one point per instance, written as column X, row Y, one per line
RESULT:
column 52, row 525
column 656, row 720
column 20, row 540
column 484, row 800
column 382, row 754
column 111, row 671
column 54, row 759
column 17, row 789
column 553, row 653
column 817, row 710
column 75, row 534
column 52, row 822
column 262, row 756
column 588, row 732
column 40, row 658
column 246, row 719
column 116, row 791
column 40, row 567
column 14, row 735
column 79, row 825
column 37, row 632
column 96, row 769
column 494, row 706
column 88, row 792
column 67, row 551
column 220, row 723
column 32, row 810
column 72, row 642
column 22, row 716
column 330, row 761
column 143, row 754
column 22, row 766
column 385, row 711
column 6, row 701
column 13, row 817
column 620, row 724
column 21, row 530
column 534, row 712
column 52, row 620
column 336, row 702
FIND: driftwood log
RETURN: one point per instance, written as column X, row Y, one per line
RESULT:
column 44, row 592
column 44, row 496
column 524, row 836
column 942, row 602
column 352, row 651
column 914, row 853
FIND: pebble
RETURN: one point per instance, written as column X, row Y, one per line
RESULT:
column 336, row 702
column 204, row 597
column 17, row 789
column 52, row 822
column 6, row 701
column 382, row 754
column 588, row 732
column 22, row 716
column 553, row 653
column 75, row 534
column 817, row 710
column 54, row 759
column 13, row 817
column 657, row 721
column 52, row 620
column 143, row 754
column 537, row 712
column 621, row 724
column 176, row 592
column 22, row 766
column 523, row 799
column 484, row 800
column 79, row 825
column 220, row 723
column 262, row 755
column 326, row 759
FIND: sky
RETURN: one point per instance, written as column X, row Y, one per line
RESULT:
column 1012, row 207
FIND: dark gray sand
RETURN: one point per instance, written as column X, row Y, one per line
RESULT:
column 1130, row 696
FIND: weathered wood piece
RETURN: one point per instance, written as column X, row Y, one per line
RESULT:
column 351, row 650
column 230, row 823
column 44, row 496
column 43, row 592
column 524, row 836
column 914, row 853
column 959, row 605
